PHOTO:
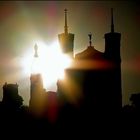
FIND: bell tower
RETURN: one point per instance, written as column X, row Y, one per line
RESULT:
column 66, row 39
column 36, row 87
column 112, row 54
column 112, row 43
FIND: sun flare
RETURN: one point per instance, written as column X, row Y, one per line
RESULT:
column 50, row 63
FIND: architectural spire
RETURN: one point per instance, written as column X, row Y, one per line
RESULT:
column 90, row 36
column 112, row 21
column 36, row 48
column 66, row 26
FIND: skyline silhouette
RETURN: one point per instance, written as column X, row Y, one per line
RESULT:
column 129, row 68
column 90, row 96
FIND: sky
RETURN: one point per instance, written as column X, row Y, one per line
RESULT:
column 23, row 23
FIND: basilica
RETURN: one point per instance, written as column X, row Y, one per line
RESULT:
column 92, row 83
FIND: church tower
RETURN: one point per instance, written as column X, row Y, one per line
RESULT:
column 112, row 54
column 112, row 43
column 36, row 89
column 66, row 39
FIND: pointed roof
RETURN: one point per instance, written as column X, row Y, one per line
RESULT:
column 66, row 32
column 112, row 21
column 112, row 33
column 66, row 26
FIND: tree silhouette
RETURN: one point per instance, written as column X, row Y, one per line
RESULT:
column 135, row 99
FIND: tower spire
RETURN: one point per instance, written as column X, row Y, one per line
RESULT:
column 36, row 48
column 112, row 21
column 66, row 26
column 90, row 36
column 66, row 39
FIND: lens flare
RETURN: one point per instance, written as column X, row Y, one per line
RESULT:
column 51, row 63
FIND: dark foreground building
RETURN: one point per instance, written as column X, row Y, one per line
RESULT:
column 93, row 82
column 91, row 87
column 11, row 98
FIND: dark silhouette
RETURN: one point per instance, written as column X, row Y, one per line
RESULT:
column 13, row 113
column 66, row 39
column 89, row 99
column 135, row 99
column 11, row 98
column 135, row 104
column 95, row 77
column 36, row 93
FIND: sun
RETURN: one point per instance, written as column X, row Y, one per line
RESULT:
column 50, row 63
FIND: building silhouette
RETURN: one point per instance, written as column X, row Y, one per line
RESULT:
column 112, row 54
column 66, row 39
column 42, row 103
column 36, row 88
column 91, row 89
column 92, row 84
column 94, row 79
column 11, row 98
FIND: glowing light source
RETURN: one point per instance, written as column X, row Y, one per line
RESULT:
column 51, row 63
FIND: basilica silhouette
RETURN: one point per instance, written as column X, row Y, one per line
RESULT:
column 92, row 83
column 88, row 101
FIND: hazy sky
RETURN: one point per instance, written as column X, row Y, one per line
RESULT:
column 23, row 23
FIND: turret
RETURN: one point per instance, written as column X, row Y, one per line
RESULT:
column 112, row 43
column 112, row 54
column 66, row 39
